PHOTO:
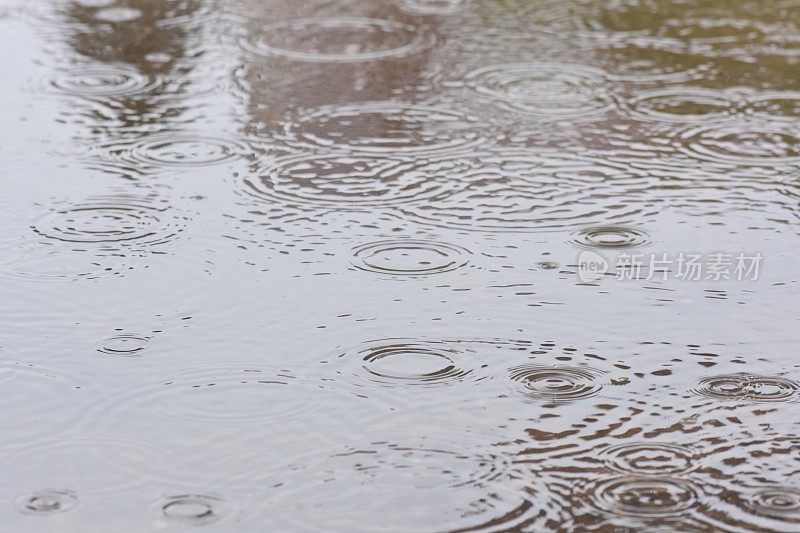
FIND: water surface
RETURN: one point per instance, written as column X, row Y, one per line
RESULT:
column 350, row 265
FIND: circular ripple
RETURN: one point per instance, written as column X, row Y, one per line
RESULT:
column 413, row 364
column 550, row 90
column 121, row 220
column 681, row 105
column 343, row 180
column 227, row 394
column 178, row 150
column 106, row 81
column 45, row 502
column 125, row 345
column 756, row 144
column 116, row 464
column 526, row 191
column 749, row 387
column 555, row 384
column 782, row 503
column 386, row 128
column 610, row 237
column 410, row 257
column 646, row 497
column 192, row 509
column 647, row 458
column 324, row 491
column 339, row 39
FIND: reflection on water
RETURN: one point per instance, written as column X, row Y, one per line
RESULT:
column 318, row 266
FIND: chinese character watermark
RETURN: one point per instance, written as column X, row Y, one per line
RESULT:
column 717, row 266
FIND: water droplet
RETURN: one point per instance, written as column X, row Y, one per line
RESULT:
column 555, row 383
column 339, row 39
column 610, row 237
column 410, row 257
column 45, row 502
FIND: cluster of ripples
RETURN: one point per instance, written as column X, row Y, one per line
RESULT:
column 362, row 212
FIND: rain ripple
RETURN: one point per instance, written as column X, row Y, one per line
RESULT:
column 610, row 237
column 107, row 80
column 121, row 220
column 749, row 387
column 479, row 484
column 555, row 384
column 124, row 345
column 49, row 501
column 385, row 128
column 644, row 496
column 176, row 150
column 750, row 143
column 339, row 39
column 410, row 257
column 192, row 509
column 343, row 180
column 547, row 90
column 226, row 394
column 782, row 503
column 682, row 105
column 409, row 362
column 650, row 458
column 526, row 191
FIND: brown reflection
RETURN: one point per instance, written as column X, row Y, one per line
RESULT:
column 279, row 85
column 150, row 40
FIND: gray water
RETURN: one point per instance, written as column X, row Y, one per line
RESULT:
column 410, row 265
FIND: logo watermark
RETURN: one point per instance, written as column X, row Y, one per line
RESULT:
column 717, row 266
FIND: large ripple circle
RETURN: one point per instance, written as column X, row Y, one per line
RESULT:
column 543, row 89
column 111, row 220
column 343, row 180
column 752, row 144
column 339, row 39
column 385, row 128
column 646, row 497
column 525, row 191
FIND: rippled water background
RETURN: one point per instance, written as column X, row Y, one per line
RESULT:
column 313, row 266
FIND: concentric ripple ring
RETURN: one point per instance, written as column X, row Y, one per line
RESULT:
column 294, row 39
column 410, row 257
